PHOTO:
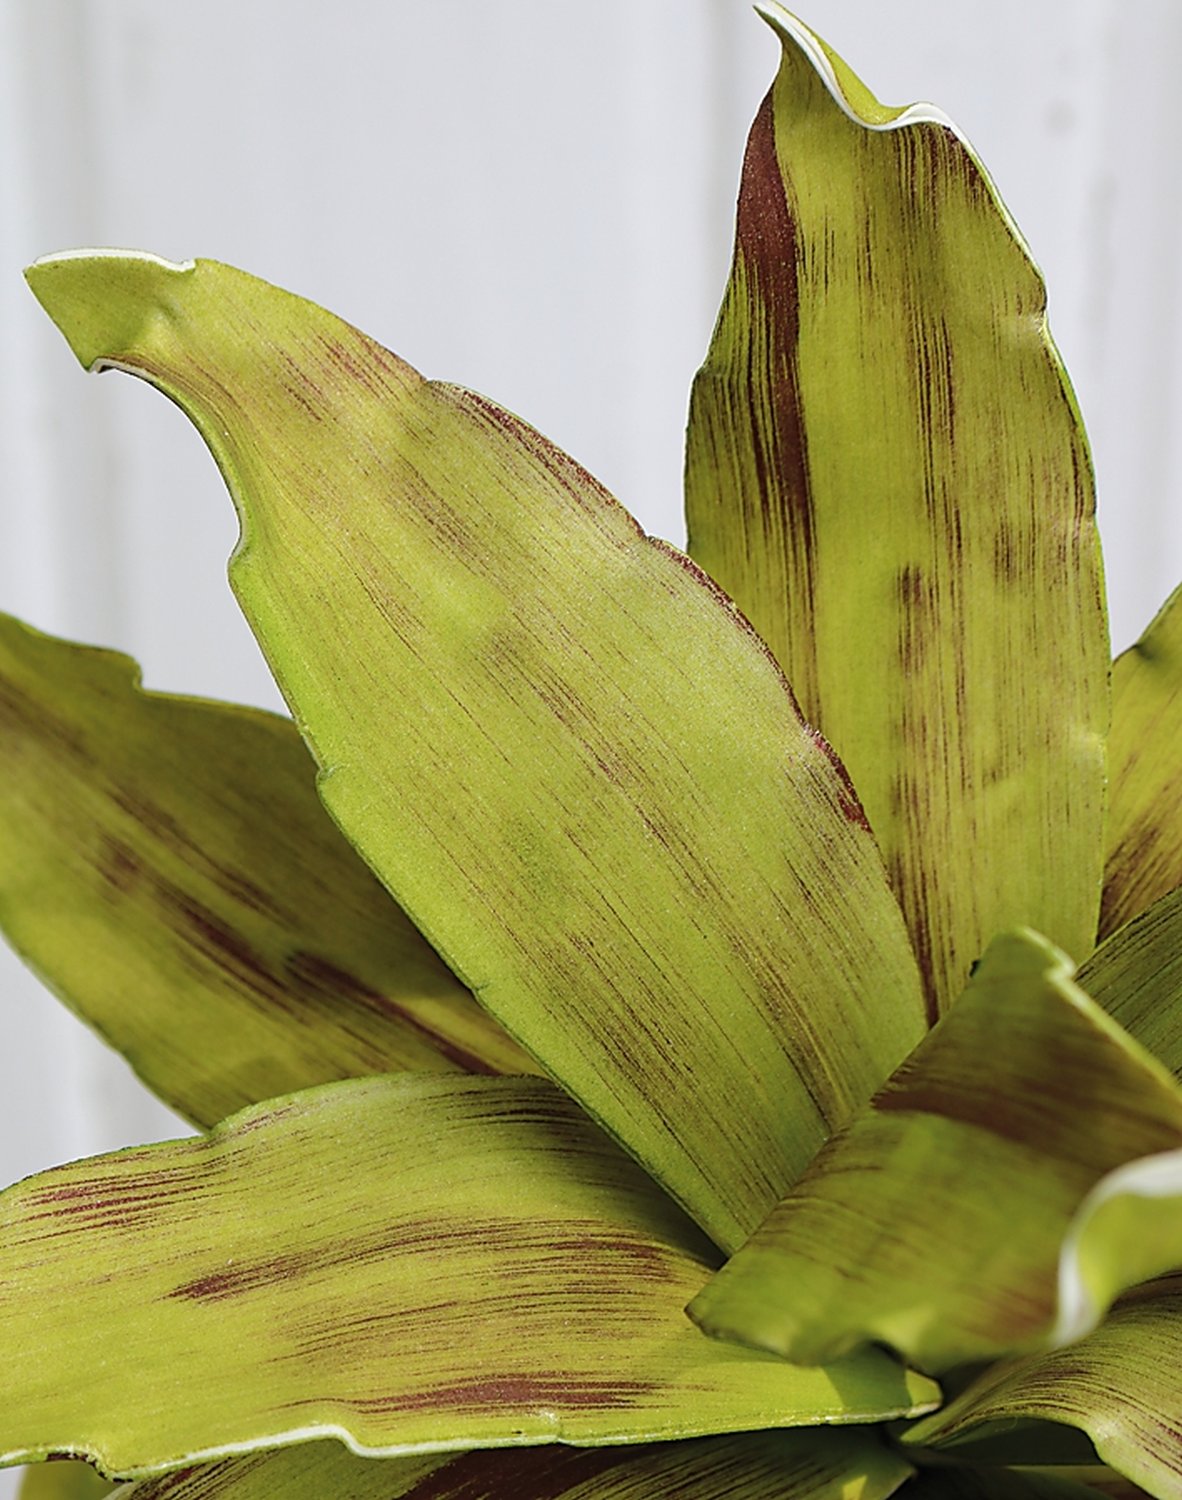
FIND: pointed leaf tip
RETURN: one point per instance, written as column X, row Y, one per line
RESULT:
column 388, row 519
column 99, row 299
column 886, row 470
column 847, row 89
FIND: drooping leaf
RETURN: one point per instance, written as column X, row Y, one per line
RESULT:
column 166, row 866
column 404, row 1262
column 1145, row 793
column 1119, row 1386
column 561, row 749
column 1020, row 1170
column 65, row 1480
column 810, row 1465
column 887, row 471
column 1136, row 975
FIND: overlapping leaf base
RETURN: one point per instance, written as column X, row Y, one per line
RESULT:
column 313, row 1266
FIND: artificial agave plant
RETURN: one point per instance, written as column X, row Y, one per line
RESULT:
column 716, row 957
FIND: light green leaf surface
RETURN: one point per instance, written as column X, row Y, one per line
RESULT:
column 1018, row 1172
column 421, row 1260
column 166, row 866
column 1136, row 975
column 812, row 1465
column 887, row 471
column 1119, row 1386
column 1145, row 795
column 63, row 1481
column 558, row 745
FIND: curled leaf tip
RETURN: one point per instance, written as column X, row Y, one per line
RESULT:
column 862, row 107
column 108, row 252
column 847, row 89
column 99, row 298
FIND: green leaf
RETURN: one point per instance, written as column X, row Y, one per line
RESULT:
column 1136, row 975
column 812, row 1465
column 887, row 471
column 166, row 866
column 561, row 749
column 997, row 1194
column 1145, row 796
column 1119, row 1386
column 63, row 1481
column 415, row 1261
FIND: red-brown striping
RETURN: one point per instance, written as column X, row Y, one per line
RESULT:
column 302, row 389
column 765, row 238
column 525, row 1390
column 543, row 1473
column 919, row 622
column 1013, row 554
column 847, row 794
column 118, row 865
column 717, row 1468
column 107, row 1201
column 457, row 785
column 577, row 484
column 310, row 976
column 912, row 1090
column 747, row 465
column 28, row 718
column 613, row 1261
column 140, row 808
column 162, row 825
column 1136, row 858
column 367, row 362
column 766, row 242
column 927, row 915
column 1128, row 1111
column 213, row 937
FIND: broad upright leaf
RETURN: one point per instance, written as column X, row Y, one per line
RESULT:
column 559, row 746
column 1145, row 796
column 887, row 471
column 1119, row 1386
column 166, row 866
column 811, row 1465
column 414, row 1261
column 1136, row 975
column 1022, row 1168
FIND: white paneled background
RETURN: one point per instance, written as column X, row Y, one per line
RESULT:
column 531, row 197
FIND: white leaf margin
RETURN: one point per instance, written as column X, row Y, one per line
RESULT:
column 1080, row 1307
